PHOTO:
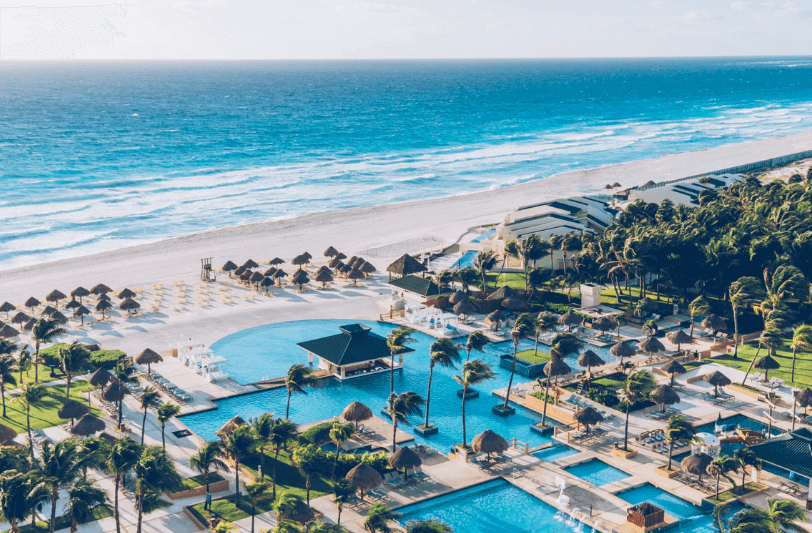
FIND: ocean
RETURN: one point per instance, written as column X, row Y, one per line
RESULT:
column 95, row 156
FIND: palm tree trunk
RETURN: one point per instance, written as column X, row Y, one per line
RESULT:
column 544, row 409
column 54, row 498
column 392, row 372
column 287, row 409
column 253, row 514
column 163, row 439
column 670, row 451
column 67, row 386
column 736, row 334
column 115, row 504
column 512, row 371
column 3, row 393
column 338, row 522
column 536, row 349
column 36, row 363
column 464, row 394
column 717, row 486
column 307, row 489
column 692, row 326
column 394, row 431
column 428, row 395
column 744, row 473
column 753, row 362
column 626, row 430
column 237, row 479
column 140, row 506
column 28, row 426
column 143, row 426
column 206, row 479
column 262, row 463
column 792, row 379
column 466, row 360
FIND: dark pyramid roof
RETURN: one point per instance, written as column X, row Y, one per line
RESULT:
column 355, row 344
column 416, row 284
column 406, row 265
column 793, row 451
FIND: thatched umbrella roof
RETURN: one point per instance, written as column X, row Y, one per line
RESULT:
column 267, row 282
column 148, row 357
column 7, row 435
column 256, row 277
column 489, row 442
column 569, row 319
column 351, row 260
column 358, row 262
column 87, row 425
column 346, row 269
column 556, row 367
column 276, row 261
column 72, row 409
column 246, row 275
column 341, row 256
column 355, row 275
column 664, row 395
column 229, row 267
column 678, row 337
column 104, row 298
column 717, row 379
column 367, row 268
column 589, row 359
column 48, row 311
column 100, row 377
column 406, row 265
column 357, row 412
column 495, row 318
column 229, row 426
column 674, row 369
column 616, row 184
column 73, row 304
column 126, row 294
column 92, row 347
column 31, row 302
column 514, row 303
column 300, row 276
column 323, row 277
column 250, row 264
column 404, row 458
column 714, row 323
column 804, row 397
column 30, row 324
column 103, row 305
column 299, row 260
column 330, row 252
column 129, row 304
column 502, row 292
column 59, row 318
column 301, row 513
column 588, row 416
column 240, row 270
column 7, row 308
column 324, row 268
column 651, row 345
column 279, row 274
column 603, row 323
column 20, row 318
column 82, row 311
column 767, row 363
column 622, row 350
column 308, row 256
column 696, row 464
column 80, row 292
column 115, row 391
column 364, row 478
column 335, row 263
column 458, row 297
column 270, row 271
column 101, row 288
column 465, row 307
column 7, row 332
column 55, row 296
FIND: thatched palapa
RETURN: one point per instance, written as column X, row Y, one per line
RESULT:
column 330, row 252
column 603, row 324
column 126, row 294
column 570, row 319
column 465, row 307
column 588, row 416
column 8, row 332
column 651, row 345
column 55, row 296
column 364, row 478
column 588, row 359
column 148, row 357
column 129, row 305
column 696, row 464
column 7, row 435
column 87, row 425
column 766, row 364
column 502, row 292
column 32, row 303
column 7, row 308
column 678, row 337
column 406, row 265
column 496, row 318
column 72, row 410
column 229, row 426
column 82, row 312
column 59, row 318
column 714, row 323
column 80, row 292
column 229, row 267
column 357, row 412
column 717, row 379
column 664, row 395
column 276, row 261
column 100, row 289
column 100, row 377
column 674, row 369
column 48, row 311
column 250, row 264
column 403, row 459
column 324, row 277
column 355, row 275
column 20, row 318
column 458, row 297
column 115, row 392
column 514, row 303
column 489, row 442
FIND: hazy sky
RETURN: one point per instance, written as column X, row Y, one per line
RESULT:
column 354, row 29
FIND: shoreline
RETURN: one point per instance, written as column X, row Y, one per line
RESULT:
column 379, row 232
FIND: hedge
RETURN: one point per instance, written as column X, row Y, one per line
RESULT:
column 100, row 359
column 318, row 434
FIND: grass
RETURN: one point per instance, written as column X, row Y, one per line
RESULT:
column 190, row 483
column 62, row 522
column 735, row 492
column 747, row 352
column 227, row 509
column 288, row 478
column 531, row 357
column 43, row 414
column 28, row 377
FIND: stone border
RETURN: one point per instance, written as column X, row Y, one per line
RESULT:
column 217, row 486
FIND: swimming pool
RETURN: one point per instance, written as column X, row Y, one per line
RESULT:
column 673, row 505
column 597, row 472
column 556, row 452
column 488, row 508
column 270, row 350
column 467, row 258
column 729, row 448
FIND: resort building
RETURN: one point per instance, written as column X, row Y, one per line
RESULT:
column 417, row 286
column 790, row 453
column 557, row 217
column 355, row 351
column 685, row 192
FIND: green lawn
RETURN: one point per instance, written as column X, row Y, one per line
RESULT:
column 28, row 377
column 288, row 478
column 102, row 511
column 735, row 492
column 43, row 415
column 531, row 357
column 803, row 365
column 199, row 480
column 228, row 510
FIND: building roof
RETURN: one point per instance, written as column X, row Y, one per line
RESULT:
column 355, row 344
column 416, row 284
column 792, row 452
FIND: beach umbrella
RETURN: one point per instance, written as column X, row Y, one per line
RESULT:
column 299, row 261
column 717, row 379
column 569, row 319
column 358, row 263
column 239, row 271
column 87, row 426
column 335, row 263
column 128, row 305
column 7, row 308
column 20, row 318
column 300, row 278
column 588, row 359
column 266, row 282
column 622, row 350
column 7, row 332
column 30, row 324
column 651, row 345
column 48, row 311
column 351, row 260
column 92, row 347
column 603, row 324
column 104, row 298
column 678, row 337
column 324, row 277
column 59, row 318
column 367, row 268
column 556, row 367
column 696, row 464
column 345, row 270
column 489, row 442
column 308, row 256
column 357, row 412
column 465, row 307
column 405, row 265
column 404, row 458
column 588, row 416
column 355, row 274
column 126, row 294
column 766, row 364
column 279, row 274
column 496, row 318
column 803, row 398
column 649, row 183
column 148, row 357
column 674, row 369
column 7, row 436
column 615, row 185
column 514, row 303
column 341, row 256
column 364, row 478
column 457, row 297
column 246, row 275
column 608, row 186
column 100, row 289
column 330, row 252
column 300, row 512
column 80, row 292
column 81, row 312
column 323, row 268
column 230, row 426
column 270, row 271
column 31, row 303
column 115, row 391
column 664, row 395
column 502, row 292
column 256, row 278
column 55, row 296
column 714, row 323
column 71, row 410
column 103, row 306
column 229, row 267
column 100, row 377
column 276, row 261
column 73, row 304
column 250, row 264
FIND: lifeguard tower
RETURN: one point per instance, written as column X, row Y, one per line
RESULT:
column 206, row 272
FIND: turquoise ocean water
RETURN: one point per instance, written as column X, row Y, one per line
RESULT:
column 99, row 155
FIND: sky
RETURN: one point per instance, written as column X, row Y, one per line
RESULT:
column 401, row 29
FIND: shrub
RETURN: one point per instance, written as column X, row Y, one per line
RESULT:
column 99, row 359
column 318, row 434
column 602, row 396
column 541, row 396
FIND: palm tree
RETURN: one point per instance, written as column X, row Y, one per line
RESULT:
column 311, row 462
column 397, row 341
column 154, row 473
column 255, row 491
column 339, row 434
column 24, row 362
column 124, row 454
column 473, row 373
column 60, row 467
column 699, row 306
column 753, row 520
column 543, row 323
column 93, row 453
column 784, row 515
column 164, row 413
column 428, row 526
column 485, row 261
column 299, row 376
column 801, row 340
column 343, row 491
column 476, row 342
column 563, row 344
column 771, row 338
column 636, row 386
column 282, row 432
column 71, row 360
column 746, row 457
column 719, row 467
column 209, row 457
column 32, row 394
column 324, row 527
column 263, row 429
column 149, row 397
column 20, row 496
column 7, row 364
column 677, row 429
column 744, row 292
column 400, row 407
column 719, row 517
column 83, row 498
column 239, row 444
column 521, row 330
column 445, row 353
column 379, row 517
column 44, row 330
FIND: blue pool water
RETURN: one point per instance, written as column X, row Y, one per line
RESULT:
column 729, row 448
column 673, row 505
column 467, row 259
column 491, row 507
column 706, row 522
column 555, row 453
column 597, row 472
column 270, row 350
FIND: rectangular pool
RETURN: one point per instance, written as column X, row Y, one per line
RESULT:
column 597, row 472
column 555, row 453
column 673, row 505
column 489, row 507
